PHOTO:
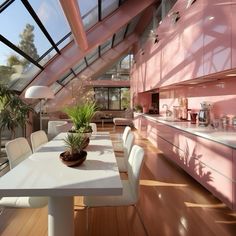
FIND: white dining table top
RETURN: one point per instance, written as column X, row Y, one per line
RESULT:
column 44, row 174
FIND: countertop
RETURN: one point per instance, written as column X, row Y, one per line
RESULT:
column 223, row 135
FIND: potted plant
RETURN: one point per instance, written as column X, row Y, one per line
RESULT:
column 13, row 112
column 138, row 108
column 74, row 155
column 81, row 116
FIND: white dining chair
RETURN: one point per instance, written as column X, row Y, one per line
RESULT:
column 119, row 146
column 122, row 162
column 38, row 138
column 18, row 150
column 94, row 127
column 64, row 127
column 54, row 127
column 130, row 193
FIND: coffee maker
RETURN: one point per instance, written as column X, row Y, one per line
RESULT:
column 204, row 114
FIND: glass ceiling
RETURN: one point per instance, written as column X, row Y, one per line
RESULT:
column 29, row 41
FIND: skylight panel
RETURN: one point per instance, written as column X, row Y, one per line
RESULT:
column 106, row 46
column 51, row 15
column 23, row 30
column 79, row 66
column 55, row 87
column 89, row 12
column 92, row 56
column 119, row 36
column 66, row 78
column 108, row 6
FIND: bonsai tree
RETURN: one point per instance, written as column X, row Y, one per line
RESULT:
column 81, row 116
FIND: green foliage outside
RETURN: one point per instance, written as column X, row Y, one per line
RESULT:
column 13, row 111
column 125, row 99
column 26, row 44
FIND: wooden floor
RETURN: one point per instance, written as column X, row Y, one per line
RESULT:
column 171, row 203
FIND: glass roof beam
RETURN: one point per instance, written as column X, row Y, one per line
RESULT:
column 113, row 40
column 40, row 24
column 86, row 62
column 99, row 10
column 72, row 12
column 126, row 31
column 72, row 71
column 5, row 5
column 99, row 51
column 16, row 49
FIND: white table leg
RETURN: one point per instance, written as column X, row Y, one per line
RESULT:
column 61, row 216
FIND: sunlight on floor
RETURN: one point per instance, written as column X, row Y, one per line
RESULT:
column 154, row 183
column 225, row 222
column 218, row 205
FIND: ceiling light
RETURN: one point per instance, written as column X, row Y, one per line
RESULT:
column 231, row 74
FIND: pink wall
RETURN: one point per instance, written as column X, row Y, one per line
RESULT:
column 200, row 44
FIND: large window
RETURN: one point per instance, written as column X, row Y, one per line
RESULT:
column 112, row 98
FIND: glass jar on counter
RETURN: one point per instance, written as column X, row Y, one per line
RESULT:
column 234, row 121
column 225, row 120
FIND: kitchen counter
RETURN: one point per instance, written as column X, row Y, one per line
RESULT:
column 225, row 136
column 207, row 154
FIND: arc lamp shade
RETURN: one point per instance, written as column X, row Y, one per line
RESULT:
column 39, row 92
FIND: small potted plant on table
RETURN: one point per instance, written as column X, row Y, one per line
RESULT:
column 74, row 155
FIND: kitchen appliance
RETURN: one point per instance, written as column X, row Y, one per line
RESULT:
column 204, row 114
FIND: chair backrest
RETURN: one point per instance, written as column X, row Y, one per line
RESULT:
column 127, row 146
column 127, row 130
column 17, row 150
column 94, row 127
column 134, row 169
column 64, row 128
column 38, row 138
column 54, row 126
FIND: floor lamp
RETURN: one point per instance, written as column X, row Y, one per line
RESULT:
column 41, row 93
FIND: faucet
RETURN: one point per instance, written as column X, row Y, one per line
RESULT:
column 168, row 112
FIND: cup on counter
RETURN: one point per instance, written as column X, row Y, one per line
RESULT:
column 193, row 116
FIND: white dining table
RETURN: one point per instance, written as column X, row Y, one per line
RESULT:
column 44, row 174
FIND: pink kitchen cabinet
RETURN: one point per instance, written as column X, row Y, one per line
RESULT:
column 212, row 164
column 217, row 36
column 233, row 35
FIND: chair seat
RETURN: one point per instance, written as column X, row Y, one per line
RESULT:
column 24, row 202
column 121, row 164
column 118, row 146
column 127, row 198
